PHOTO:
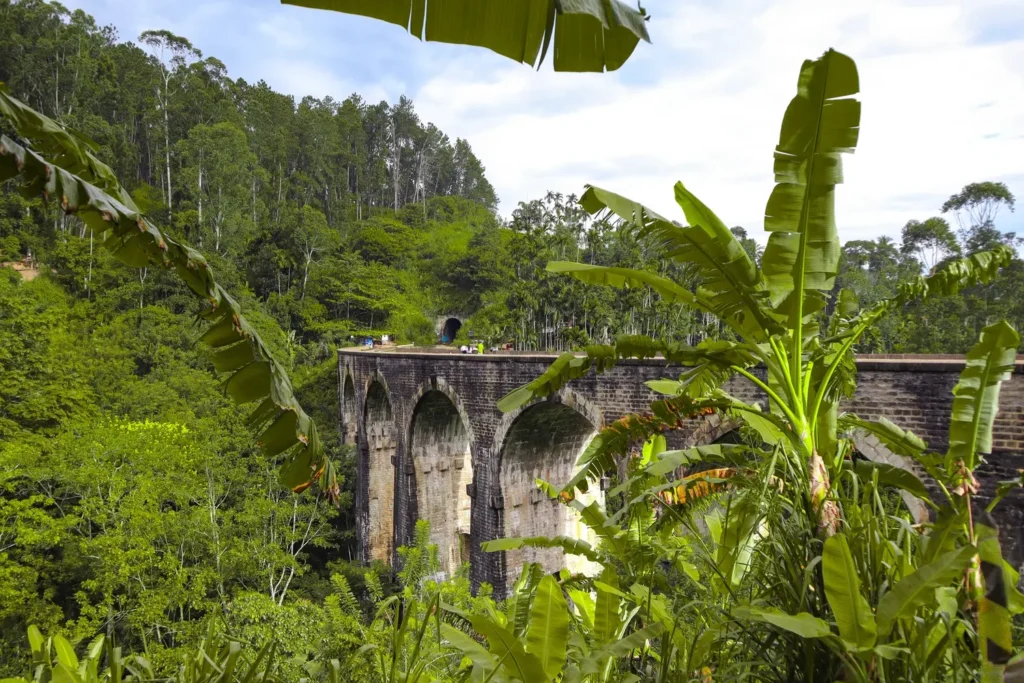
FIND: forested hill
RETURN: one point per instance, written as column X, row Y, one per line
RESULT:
column 134, row 501
column 270, row 185
column 344, row 218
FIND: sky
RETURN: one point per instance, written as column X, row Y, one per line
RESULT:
column 942, row 86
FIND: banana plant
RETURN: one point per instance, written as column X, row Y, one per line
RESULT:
column 588, row 35
column 623, row 610
column 862, row 584
column 554, row 628
column 52, row 161
column 801, row 366
column 927, row 586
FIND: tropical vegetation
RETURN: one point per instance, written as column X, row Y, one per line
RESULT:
column 148, row 525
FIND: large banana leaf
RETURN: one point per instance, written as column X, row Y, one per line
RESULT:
column 514, row 658
column 589, row 35
column 803, row 624
column 606, row 608
column 976, row 396
column 616, row 438
column 977, row 268
column 891, row 475
column 821, row 122
column 548, row 634
column 620, row 649
column 729, row 283
column 569, row 545
column 842, row 589
column 519, row 602
column 88, row 189
column 900, row 441
column 484, row 663
column 628, row 277
column 715, row 358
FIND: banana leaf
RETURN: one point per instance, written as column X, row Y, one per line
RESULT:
column 821, row 122
column 588, row 35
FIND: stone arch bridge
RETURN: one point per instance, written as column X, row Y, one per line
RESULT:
column 432, row 445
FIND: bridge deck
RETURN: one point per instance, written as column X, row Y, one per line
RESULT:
column 897, row 362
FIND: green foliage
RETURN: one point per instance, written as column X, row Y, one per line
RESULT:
column 136, row 505
column 88, row 189
column 801, row 565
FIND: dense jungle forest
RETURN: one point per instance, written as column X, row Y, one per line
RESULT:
column 136, row 504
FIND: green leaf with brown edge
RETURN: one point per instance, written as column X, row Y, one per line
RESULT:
column 615, row 439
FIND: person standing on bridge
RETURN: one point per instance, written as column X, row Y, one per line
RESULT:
column 480, row 348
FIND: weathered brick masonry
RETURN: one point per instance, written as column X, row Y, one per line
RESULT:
column 432, row 444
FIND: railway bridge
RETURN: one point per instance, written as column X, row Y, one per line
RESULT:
column 432, row 444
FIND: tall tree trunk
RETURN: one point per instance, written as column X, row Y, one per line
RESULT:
column 200, row 193
column 167, row 143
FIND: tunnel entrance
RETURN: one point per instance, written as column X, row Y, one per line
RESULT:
column 349, row 428
column 440, row 450
column 543, row 443
column 380, row 439
column 450, row 329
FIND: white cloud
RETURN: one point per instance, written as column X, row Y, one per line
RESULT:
column 703, row 105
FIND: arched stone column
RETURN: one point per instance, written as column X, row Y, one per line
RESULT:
column 440, row 452
column 349, row 409
column 381, row 444
column 543, row 441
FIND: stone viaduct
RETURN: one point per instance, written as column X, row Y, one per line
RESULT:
column 432, row 445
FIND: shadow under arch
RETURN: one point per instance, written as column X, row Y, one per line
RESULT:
column 440, row 439
column 543, row 441
column 381, row 443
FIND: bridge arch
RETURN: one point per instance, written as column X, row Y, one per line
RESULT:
column 349, row 409
column 543, row 441
column 382, row 447
column 440, row 438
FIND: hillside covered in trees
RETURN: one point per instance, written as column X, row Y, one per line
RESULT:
column 344, row 218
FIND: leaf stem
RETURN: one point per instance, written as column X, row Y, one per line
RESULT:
column 794, row 422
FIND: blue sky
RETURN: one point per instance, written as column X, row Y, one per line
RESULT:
column 942, row 82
